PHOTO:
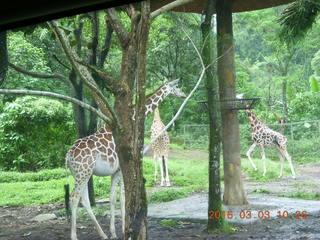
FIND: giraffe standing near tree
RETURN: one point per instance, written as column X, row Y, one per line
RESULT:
column 160, row 149
column 264, row 136
column 96, row 154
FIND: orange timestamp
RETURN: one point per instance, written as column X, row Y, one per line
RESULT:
column 261, row 214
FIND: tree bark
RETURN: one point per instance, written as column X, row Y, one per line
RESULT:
column 214, row 201
column 130, row 140
column 233, row 187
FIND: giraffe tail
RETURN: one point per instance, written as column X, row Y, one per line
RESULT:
column 67, row 190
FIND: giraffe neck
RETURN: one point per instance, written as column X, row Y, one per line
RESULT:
column 253, row 119
column 153, row 100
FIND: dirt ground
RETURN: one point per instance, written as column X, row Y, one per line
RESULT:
column 16, row 223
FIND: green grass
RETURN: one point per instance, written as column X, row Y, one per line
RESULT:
column 261, row 190
column 188, row 175
column 273, row 169
column 167, row 195
column 225, row 228
column 43, row 175
column 302, row 195
column 169, row 223
column 26, row 193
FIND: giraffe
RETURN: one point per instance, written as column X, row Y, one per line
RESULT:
column 160, row 149
column 264, row 136
column 96, row 154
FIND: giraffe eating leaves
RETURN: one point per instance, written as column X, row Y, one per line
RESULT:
column 96, row 154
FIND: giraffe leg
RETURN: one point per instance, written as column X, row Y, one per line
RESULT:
column 287, row 156
column 263, row 156
column 122, row 202
column 113, row 199
column 155, row 168
column 74, row 201
column 168, row 184
column 86, row 203
column 252, row 147
column 162, row 171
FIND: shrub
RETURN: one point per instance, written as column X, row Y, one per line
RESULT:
column 167, row 195
column 34, row 133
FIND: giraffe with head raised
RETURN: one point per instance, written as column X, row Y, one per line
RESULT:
column 160, row 149
column 264, row 136
column 96, row 154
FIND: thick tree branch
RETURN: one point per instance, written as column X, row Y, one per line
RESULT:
column 58, row 96
column 118, row 27
column 106, row 47
column 38, row 75
column 168, row 7
column 83, row 73
column 112, row 84
column 60, row 62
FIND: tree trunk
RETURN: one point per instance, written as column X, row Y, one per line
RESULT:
column 233, row 188
column 3, row 56
column 214, row 202
column 130, row 138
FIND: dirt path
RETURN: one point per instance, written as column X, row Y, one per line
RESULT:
column 16, row 222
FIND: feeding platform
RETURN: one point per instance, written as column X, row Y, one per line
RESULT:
column 235, row 104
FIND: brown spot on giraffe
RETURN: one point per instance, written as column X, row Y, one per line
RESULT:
column 104, row 142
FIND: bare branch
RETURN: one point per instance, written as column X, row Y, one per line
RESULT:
column 58, row 96
column 38, row 75
column 83, row 73
column 109, row 80
column 117, row 26
column 60, row 62
column 168, row 7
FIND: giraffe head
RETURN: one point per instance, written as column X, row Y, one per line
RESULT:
column 172, row 88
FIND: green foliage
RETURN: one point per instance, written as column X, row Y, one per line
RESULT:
column 315, row 63
column 297, row 19
column 34, row 133
column 314, row 84
column 169, row 222
column 43, row 175
column 28, row 53
column 167, row 195
column 305, row 106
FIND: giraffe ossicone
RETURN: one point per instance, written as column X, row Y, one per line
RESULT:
column 264, row 136
column 96, row 155
column 160, row 149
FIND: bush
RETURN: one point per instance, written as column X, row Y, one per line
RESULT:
column 35, row 133
column 167, row 195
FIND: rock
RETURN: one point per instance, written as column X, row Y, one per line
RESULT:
column 44, row 217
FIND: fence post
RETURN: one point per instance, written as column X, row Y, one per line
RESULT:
column 184, row 135
column 291, row 130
